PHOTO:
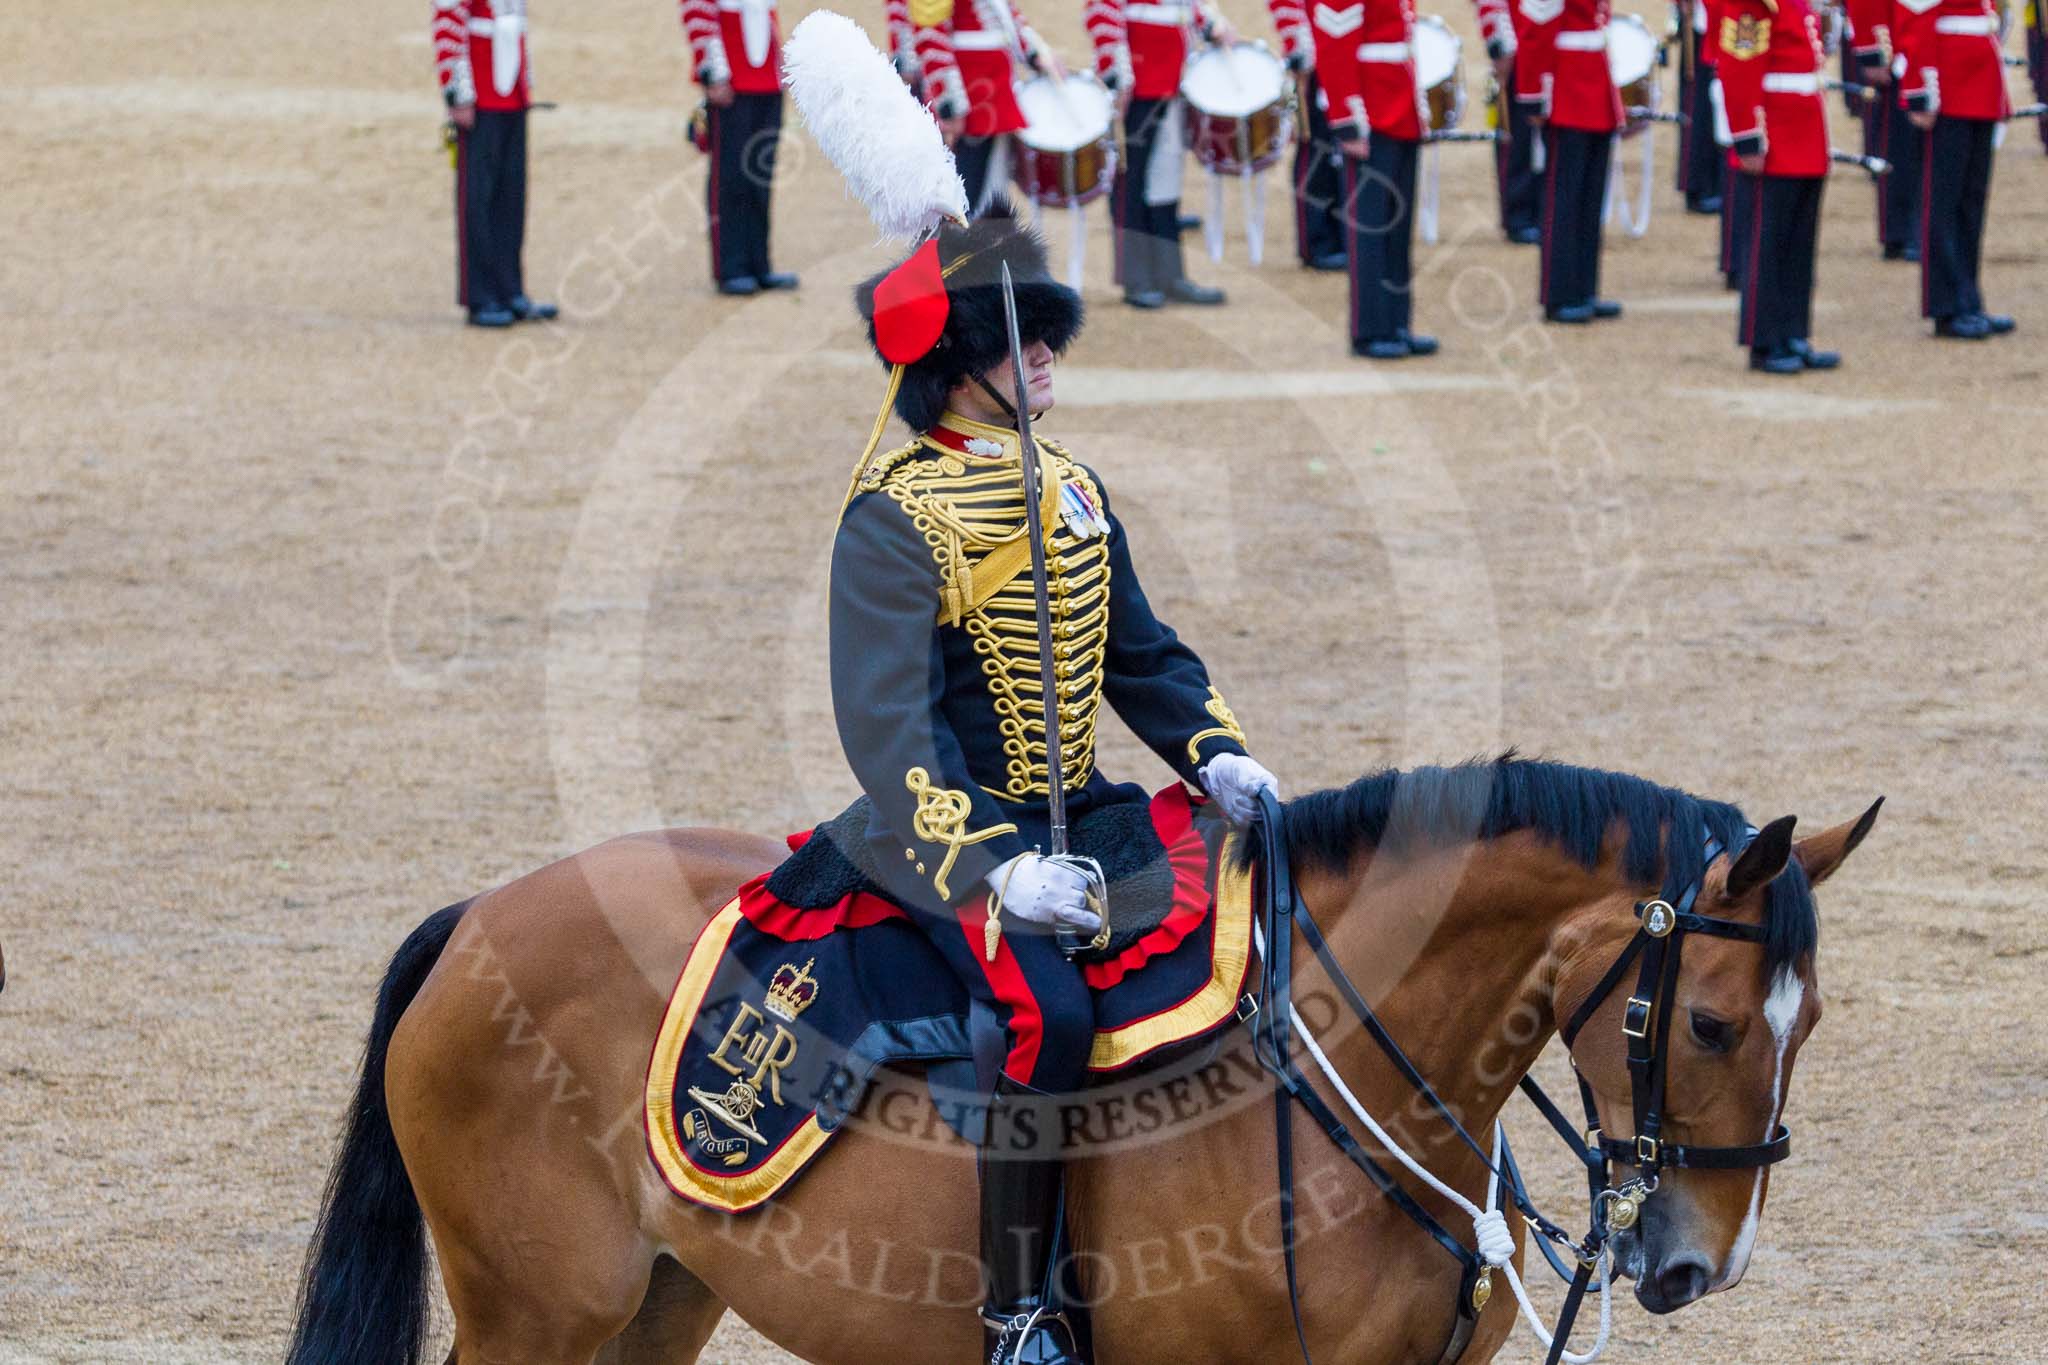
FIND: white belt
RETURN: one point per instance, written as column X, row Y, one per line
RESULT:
column 980, row 40
column 1582, row 40
column 1792, row 82
column 483, row 28
column 1977, row 25
column 1172, row 16
column 1391, row 53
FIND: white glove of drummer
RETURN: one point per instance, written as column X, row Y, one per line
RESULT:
column 1234, row 783
column 1044, row 892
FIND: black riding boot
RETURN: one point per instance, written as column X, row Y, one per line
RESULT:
column 1020, row 1215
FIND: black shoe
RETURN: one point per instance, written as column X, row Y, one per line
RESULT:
column 1776, row 360
column 1573, row 313
column 526, row 310
column 1382, row 348
column 1187, row 291
column 1525, row 236
column 1995, row 324
column 740, row 285
column 1705, row 203
column 1606, row 308
column 1963, row 327
column 1813, row 359
column 1190, row 222
column 776, row 279
column 1145, row 298
column 1417, row 343
column 1896, row 251
column 1021, row 1199
column 492, row 317
column 1733, row 283
column 1329, row 260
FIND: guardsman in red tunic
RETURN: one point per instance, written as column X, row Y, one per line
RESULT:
column 1953, row 88
column 1365, row 59
column 480, row 58
column 1562, row 81
column 1769, row 56
column 735, row 54
column 968, row 54
column 1141, row 48
column 1318, row 165
column 1702, row 165
column 1514, row 160
column 1892, row 136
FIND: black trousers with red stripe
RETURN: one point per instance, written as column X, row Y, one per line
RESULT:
column 1955, row 187
column 1894, row 138
column 1148, row 246
column 1318, row 180
column 1784, row 233
column 1702, row 161
column 744, row 138
column 1379, row 225
column 1514, row 170
column 1575, row 193
column 1737, row 206
column 1045, row 1007
column 2037, row 70
column 490, row 210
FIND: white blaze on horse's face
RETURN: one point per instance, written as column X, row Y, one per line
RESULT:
column 1781, row 1012
column 1732, row 1047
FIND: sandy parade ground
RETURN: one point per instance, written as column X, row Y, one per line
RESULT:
column 323, row 611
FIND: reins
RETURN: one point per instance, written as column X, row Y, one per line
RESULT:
column 1272, row 1020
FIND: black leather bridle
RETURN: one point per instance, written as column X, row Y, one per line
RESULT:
column 1646, row 1022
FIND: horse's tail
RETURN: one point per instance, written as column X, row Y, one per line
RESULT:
column 364, row 1297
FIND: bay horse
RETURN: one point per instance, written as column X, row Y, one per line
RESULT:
column 500, row 1104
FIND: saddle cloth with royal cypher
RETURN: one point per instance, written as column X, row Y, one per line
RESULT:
column 783, row 1011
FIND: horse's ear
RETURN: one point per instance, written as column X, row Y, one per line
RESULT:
column 1764, row 859
column 1822, row 853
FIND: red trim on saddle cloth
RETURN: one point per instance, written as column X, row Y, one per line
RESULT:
column 1173, row 818
column 1172, row 810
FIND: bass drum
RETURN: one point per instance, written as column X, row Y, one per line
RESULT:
column 1439, row 74
column 1066, row 154
column 1236, row 108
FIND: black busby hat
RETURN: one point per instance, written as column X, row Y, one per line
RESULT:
column 975, row 337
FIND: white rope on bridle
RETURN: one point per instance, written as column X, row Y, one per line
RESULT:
column 1489, row 1225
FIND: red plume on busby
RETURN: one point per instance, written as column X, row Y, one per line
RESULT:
column 963, row 332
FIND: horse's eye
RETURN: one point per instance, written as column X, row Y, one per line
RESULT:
column 1711, row 1033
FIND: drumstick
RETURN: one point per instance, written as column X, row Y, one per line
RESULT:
column 1454, row 135
column 2029, row 111
column 1876, row 165
column 1861, row 92
column 1639, row 114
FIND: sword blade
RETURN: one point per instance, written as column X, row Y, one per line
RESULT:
column 1034, row 527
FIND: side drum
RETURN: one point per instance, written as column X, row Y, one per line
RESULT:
column 1066, row 154
column 1237, row 108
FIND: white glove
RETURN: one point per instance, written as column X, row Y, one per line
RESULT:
column 1044, row 892
column 1234, row 783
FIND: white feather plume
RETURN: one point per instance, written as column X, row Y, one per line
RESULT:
column 869, row 125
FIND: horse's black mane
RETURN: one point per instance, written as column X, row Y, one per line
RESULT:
column 1571, row 807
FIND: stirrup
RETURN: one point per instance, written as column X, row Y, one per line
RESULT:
column 1014, row 1332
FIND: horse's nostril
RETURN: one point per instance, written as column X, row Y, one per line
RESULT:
column 1680, row 1283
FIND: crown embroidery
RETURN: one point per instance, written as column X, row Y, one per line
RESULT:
column 791, row 991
